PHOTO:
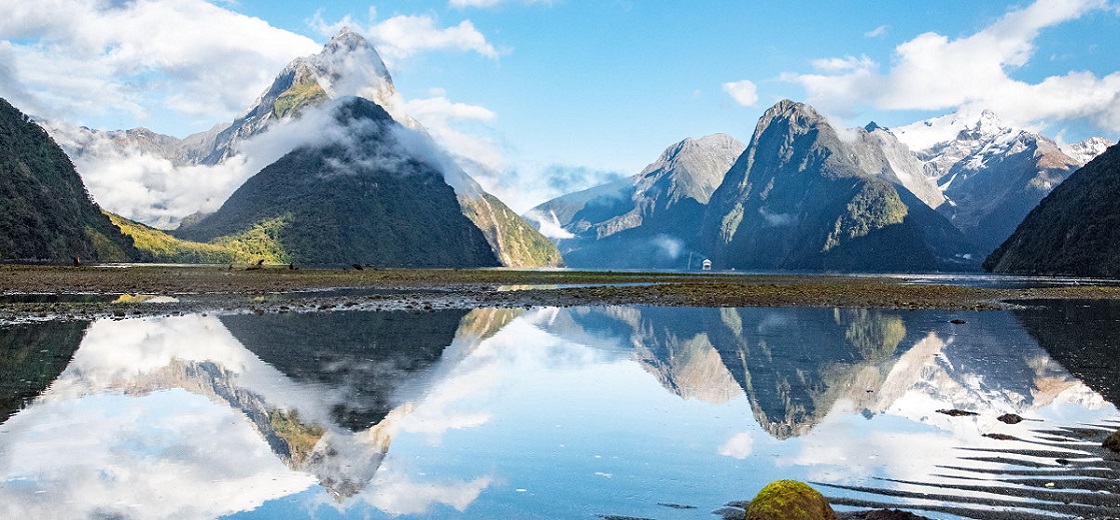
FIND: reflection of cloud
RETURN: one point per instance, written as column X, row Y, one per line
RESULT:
column 738, row 446
column 400, row 497
column 168, row 454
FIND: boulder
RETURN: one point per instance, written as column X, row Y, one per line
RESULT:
column 789, row 500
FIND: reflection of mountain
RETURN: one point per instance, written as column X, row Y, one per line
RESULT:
column 1082, row 336
column 670, row 343
column 795, row 363
column 31, row 356
column 362, row 357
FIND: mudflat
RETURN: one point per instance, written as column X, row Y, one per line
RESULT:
column 157, row 289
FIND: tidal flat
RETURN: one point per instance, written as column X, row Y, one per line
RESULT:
column 53, row 292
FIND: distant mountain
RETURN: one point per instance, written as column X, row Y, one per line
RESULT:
column 804, row 196
column 650, row 220
column 1087, row 150
column 1075, row 230
column 991, row 174
column 361, row 197
column 45, row 212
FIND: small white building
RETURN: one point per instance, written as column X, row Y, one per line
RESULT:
column 707, row 265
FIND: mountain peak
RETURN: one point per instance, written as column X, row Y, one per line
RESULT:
column 346, row 39
column 928, row 133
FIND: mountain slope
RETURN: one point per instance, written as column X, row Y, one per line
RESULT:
column 802, row 198
column 1075, row 230
column 650, row 220
column 360, row 199
column 45, row 211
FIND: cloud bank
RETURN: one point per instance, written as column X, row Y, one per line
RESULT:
column 935, row 72
column 75, row 59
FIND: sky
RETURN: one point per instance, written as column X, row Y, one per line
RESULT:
column 560, row 95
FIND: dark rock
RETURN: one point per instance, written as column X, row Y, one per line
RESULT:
column 1001, row 437
column 883, row 514
column 958, row 322
column 1010, row 418
column 957, row 413
column 1113, row 441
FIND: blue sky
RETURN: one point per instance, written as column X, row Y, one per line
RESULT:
column 561, row 94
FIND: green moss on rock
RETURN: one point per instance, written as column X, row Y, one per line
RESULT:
column 789, row 500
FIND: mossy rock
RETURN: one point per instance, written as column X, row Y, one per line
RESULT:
column 789, row 500
column 1113, row 441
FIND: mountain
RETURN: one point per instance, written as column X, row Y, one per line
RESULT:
column 185, row 178
column 804, row 196
column 45, row 211
column 1074, row 231
column 991, row 174
column 648, row 220
column 360, row 196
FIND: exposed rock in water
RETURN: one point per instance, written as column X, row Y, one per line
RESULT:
column 1113, row 441
column 957, row 413
column 789, row 500
column 1010, row 418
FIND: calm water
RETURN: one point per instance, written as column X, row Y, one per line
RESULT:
column 557, row 413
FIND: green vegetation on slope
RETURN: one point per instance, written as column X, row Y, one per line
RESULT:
column 516, row 243
column 291, row 101
column 45, row 211
column 166, row 248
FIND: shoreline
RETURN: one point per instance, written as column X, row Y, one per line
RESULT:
column 279, row 289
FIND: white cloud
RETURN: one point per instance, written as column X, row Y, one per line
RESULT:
column 877, row 32
column 459, row 127
column 403, row 36
column 88, row 58
column 934, row 72
column 739, row 446
column 743, row 92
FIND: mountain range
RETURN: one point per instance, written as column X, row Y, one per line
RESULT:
column 326, row 167
column 803, row 195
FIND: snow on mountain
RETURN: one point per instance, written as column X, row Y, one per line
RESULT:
column 1086, row 150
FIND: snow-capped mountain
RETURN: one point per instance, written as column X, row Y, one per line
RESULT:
column 991, row 173
column 1087, row 150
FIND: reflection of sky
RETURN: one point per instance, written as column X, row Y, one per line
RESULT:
column 541, row 420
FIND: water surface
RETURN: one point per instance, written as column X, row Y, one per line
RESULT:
column 557, row 413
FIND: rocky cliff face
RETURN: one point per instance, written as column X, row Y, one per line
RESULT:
column 804, row 196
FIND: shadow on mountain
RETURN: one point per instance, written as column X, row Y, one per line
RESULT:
column 363, row 356
column 32, row 355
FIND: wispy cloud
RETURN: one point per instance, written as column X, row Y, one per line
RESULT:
column 936, row 72
column 877, row 32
